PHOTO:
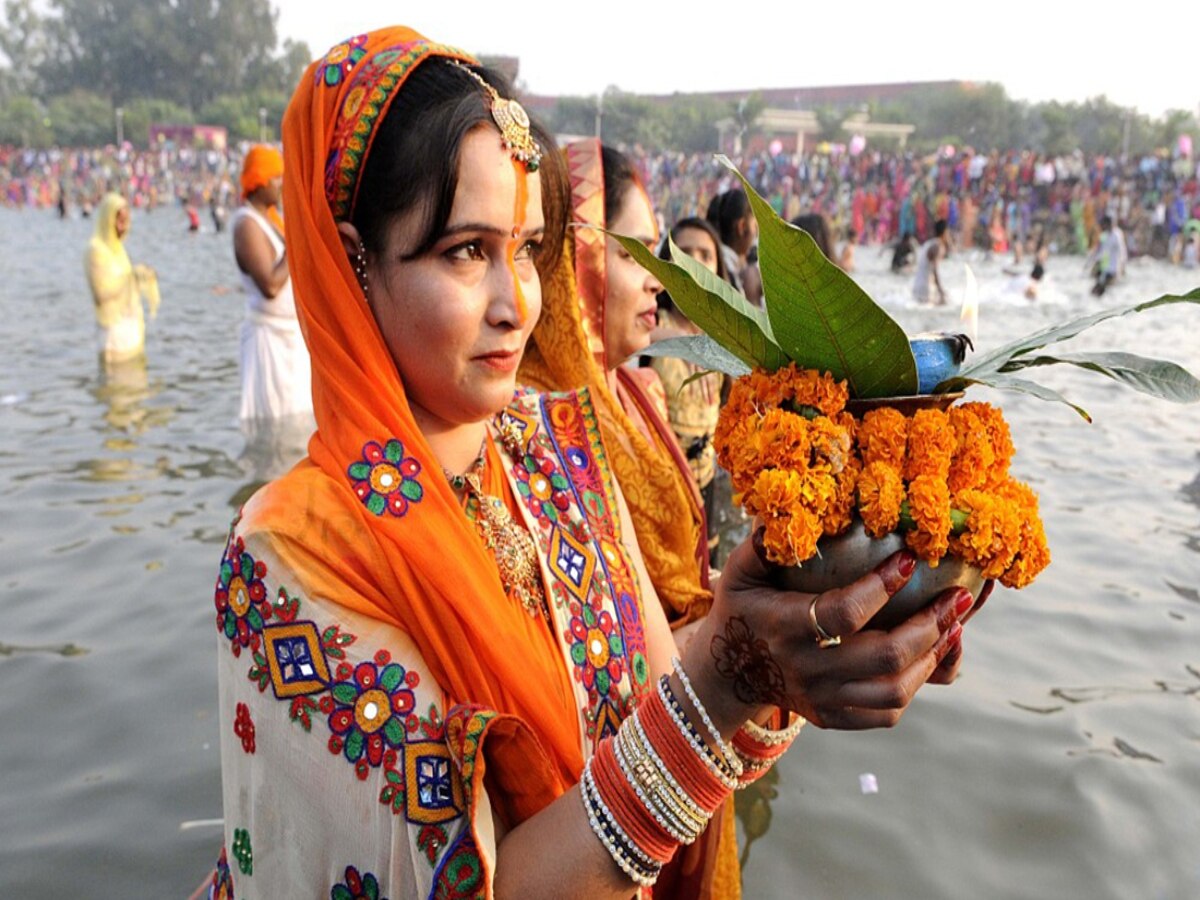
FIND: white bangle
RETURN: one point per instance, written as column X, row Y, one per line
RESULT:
column 724, row 749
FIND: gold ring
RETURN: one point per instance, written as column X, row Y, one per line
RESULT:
column 824, row 638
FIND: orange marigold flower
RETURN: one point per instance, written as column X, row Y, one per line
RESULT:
column 839, row 514
column 818, row 489
column 774, row 494
column 831, row 444
column 802, row 531
column 1033, row 556
column 931, row 444
column 808, row 387
column 880, row 493
column 883, row 437
column 973, row 456
column 929, row 505
column 991, row 537
column 784, row 440
column 1034, row 552
column 999, row 436
column 775, row 497
column 741, row 454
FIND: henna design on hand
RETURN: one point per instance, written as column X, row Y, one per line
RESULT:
column 746, row 660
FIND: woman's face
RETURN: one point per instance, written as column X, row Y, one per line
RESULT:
column 456, row 318
column 630, row 306
column 121, row 222
column 699, row 245
column 745, row 234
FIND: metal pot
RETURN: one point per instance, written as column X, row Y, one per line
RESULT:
column 849, row 556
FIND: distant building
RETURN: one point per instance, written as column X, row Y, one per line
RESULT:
column 789, row 116
column 837, row 96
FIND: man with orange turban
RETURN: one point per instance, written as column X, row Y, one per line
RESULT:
column 275, row 367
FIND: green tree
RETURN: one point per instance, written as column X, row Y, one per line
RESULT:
column 185, row 51
column 24, row 122
column 26, row 42
column 82, row 119
column 239, row 114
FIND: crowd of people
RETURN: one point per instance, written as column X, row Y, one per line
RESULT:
column 191, row 181
column 1001, row 201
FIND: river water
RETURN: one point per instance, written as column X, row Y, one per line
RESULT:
column 1064, row 763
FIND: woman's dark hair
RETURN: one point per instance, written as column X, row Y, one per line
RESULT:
column 619, row 176
column 664, row 252
column 413, row 161
column 818, row 227
column 725, row 211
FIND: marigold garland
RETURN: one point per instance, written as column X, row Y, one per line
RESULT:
column 804, row 465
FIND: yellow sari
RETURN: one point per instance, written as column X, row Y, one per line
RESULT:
column 118, row 287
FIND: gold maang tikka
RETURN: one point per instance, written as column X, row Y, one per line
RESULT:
column 512, row 120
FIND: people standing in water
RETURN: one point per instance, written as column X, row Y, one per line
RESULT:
column 274, row 361
column 928, row 279
column 118, row 287
column 439, row 652
column 1106, row 262
column 1041, row 255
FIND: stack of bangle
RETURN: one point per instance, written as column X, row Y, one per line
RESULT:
column 759, row 748
column 658, row 782
column 647, row 790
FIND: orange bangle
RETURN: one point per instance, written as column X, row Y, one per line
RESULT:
column 686, row 766
column 634, row 819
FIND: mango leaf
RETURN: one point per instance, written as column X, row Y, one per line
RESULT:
column 998, row 360
column 820, row 317
column 739, row 332
column 700, row 350
column 714, row 284
column 1003, row 382
column 1156, row 377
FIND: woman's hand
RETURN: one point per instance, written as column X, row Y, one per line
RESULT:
column 947, row 669
column 759, row 646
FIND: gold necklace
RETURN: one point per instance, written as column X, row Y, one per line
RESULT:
column 510, row 543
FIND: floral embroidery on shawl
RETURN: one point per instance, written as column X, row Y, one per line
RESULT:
column 385, row 480
column 340, row 59
column 356, row 886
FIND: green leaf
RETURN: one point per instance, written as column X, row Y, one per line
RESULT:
column 1156, row 377
column 391, row 676
column 998, row 360
column 743, row 334
column 345, row 693
column 1002, row 382
column 700, row 350
column 714, row 284
column 819, row 315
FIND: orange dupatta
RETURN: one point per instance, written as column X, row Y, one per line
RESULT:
column 407, row 556
column 668, row 515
